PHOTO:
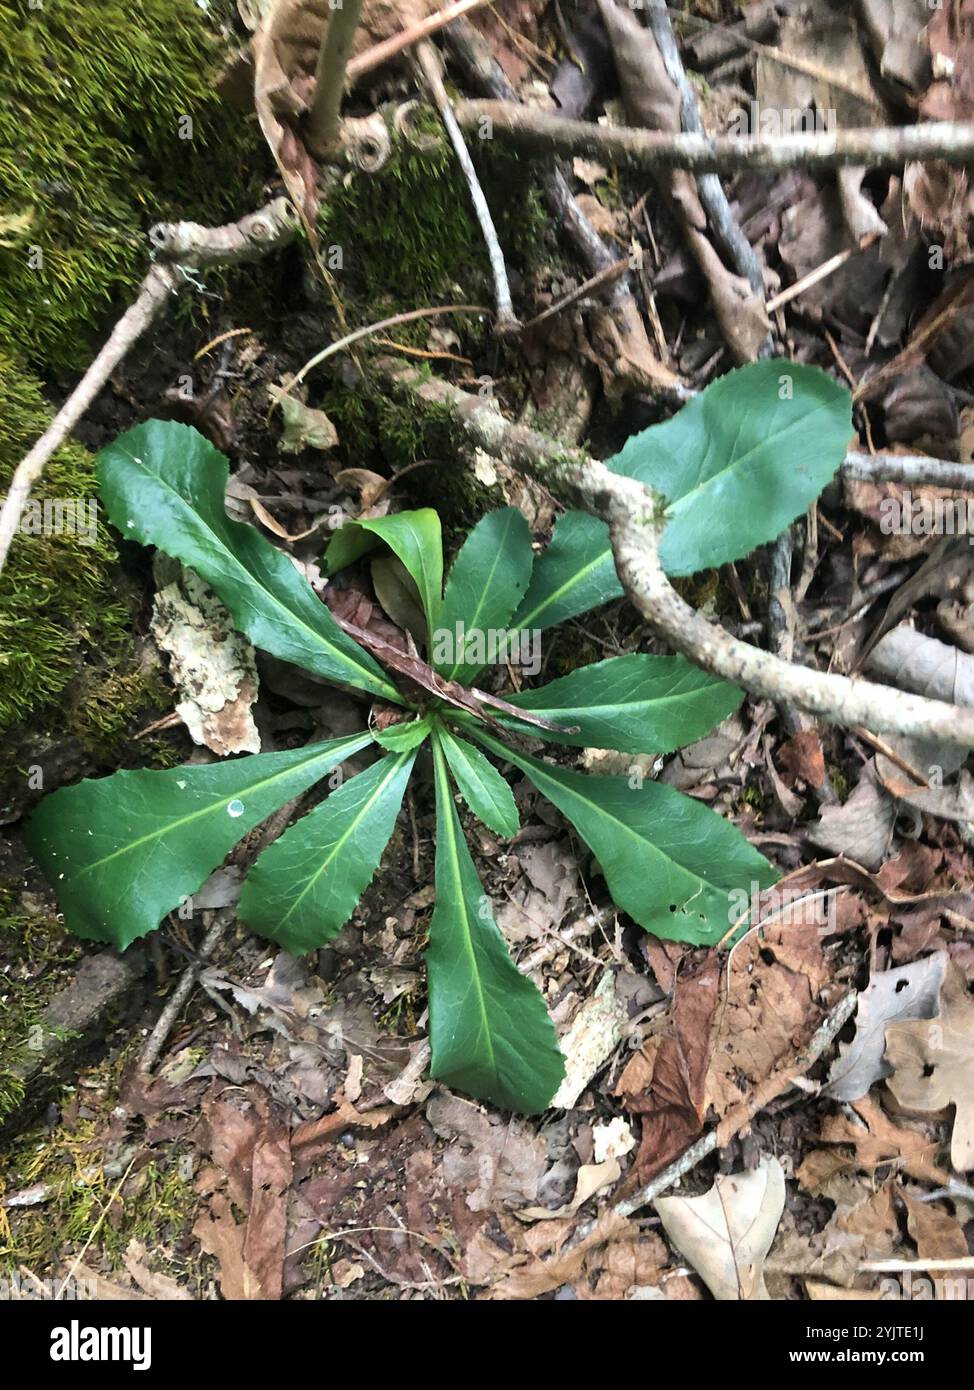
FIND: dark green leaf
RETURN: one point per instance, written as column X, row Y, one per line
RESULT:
column 636, row 703
column 741, row 460
column 304, row 887
column 481, row 785
column 485, row 585
column 163, row 484
column 674, row 865
column 124, row 850
column 490, row 1032
column 575, row 573
column 415, row 537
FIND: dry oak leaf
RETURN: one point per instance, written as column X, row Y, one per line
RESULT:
column 877, row 1142
column 936, row 1234
column 932, row 1060
column 769, row 1010
column 726, row 1234
column 908, row 992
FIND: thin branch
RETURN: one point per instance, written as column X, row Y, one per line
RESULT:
column 429, row 64
column 543, row 131
column 915, row 469
column 727, row 233
column 821, row 272
column 333, row 56
column 182, row 244
column 374, row 57
column 634, row 517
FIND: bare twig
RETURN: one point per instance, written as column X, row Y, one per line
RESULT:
column 374, row 57
column 603, row 280
column 913, row 469
column 179, row 244
column 429, row 64
column 187, row 983
column 634, row 518
column 727, row 233
column 333, row 56
column 883, row 146
column 820, row 272
column 161, row 282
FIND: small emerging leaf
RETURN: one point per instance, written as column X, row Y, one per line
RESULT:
column 124, row 850
column 490, row 1032
column 415, row 537
column 669, row 861
column 635, row 703
column 481, row 785
column 304, row 887
column 403, row 737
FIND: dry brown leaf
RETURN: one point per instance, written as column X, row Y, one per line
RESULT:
column 156, row 1286
column 534, row 1276
column 500, row 1164
column 220, row 1235
column 932, row 1061
column 769, row 1010
column 878, row 1141
column 936, row 1234
column 674, row 1107
column 908, row 992
column 726, row 1234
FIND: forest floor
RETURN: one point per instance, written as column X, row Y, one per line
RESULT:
column 285, row 1142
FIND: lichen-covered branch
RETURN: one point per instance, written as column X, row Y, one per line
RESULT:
column 634, row 516
column 539, row 131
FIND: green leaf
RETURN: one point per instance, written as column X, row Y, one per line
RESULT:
column 741, row 460
column 481, row 785
column 124, row 850
column 401, row 738
column 490, row 1032
column 163, row 485
column 415, row 537
column 485, row 585
column 304, row 887
column 636, row 703
column 673, row 864
column 575, row 573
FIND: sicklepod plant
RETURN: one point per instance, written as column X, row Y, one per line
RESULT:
column 736, row 465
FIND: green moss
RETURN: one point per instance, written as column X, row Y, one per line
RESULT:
column 58, row 593
column 97, row 100
column 409, row 237
column 155, row 1206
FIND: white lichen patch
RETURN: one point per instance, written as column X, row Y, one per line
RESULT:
column 211, row 665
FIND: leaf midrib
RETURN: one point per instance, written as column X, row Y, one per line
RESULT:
column 356, row 740
column 375, row 685
column 459, row 665
column 397, row 759
column 451, row 823
column 531, row 768
column 699, row 489
column 564, row 588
